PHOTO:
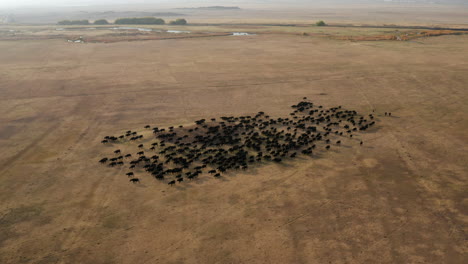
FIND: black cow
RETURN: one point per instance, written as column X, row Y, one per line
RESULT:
column 135, row 180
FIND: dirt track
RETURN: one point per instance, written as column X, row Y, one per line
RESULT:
column 401, row 198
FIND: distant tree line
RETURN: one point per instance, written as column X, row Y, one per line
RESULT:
column 126, row 21
column 101, row 22
column 212, row 7
column 140, row 21
column 73, row 22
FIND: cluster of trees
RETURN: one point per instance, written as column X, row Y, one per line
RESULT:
column 179, row 21
column 320, row 23
column 101, row 22
column 126, row 21
column 140, row 21
column 73, row 22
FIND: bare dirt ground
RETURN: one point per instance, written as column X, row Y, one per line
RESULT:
column 400, row 198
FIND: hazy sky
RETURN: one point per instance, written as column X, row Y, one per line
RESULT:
column 44, row 3
column 18, row 3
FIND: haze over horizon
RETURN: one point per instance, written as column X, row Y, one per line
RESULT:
column 176, row 3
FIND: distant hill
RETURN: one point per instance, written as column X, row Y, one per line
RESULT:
column 134, row 14
column 213, row 8
column 52, row 17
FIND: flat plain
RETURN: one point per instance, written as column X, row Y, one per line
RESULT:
column 399, row 198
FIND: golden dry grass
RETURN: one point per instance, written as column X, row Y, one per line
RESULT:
column 114, row 33
column 401, row 198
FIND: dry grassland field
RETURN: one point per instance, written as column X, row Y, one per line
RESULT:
column 401, row 197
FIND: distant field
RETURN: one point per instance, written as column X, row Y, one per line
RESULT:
column 118, row 33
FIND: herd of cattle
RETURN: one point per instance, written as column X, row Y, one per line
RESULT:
column 215, row 146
